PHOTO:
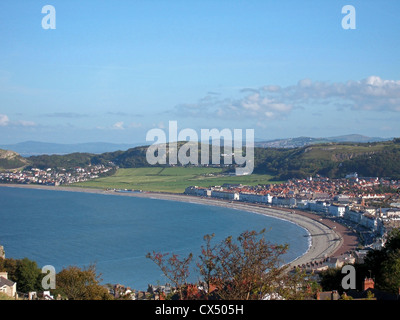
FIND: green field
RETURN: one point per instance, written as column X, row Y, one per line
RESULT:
column 171, row 179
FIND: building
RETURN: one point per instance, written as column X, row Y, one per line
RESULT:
column 195, row 191
column 328, row 295
column 255, row 198
column 284, row 202
column 360, row 255
column 393, row 213
column 369, row 292
column 225, row 195
column 353, row 216
column 336, row 210
column 7, row 286
column 372, row 223
column 318, row 206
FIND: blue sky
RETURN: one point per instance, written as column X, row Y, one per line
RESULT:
column 112, row 70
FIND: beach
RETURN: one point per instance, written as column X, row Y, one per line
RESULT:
column 327, row 238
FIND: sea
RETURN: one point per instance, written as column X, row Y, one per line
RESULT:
column 62, row 229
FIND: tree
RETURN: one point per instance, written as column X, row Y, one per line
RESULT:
column 245, row 268
column 383, row 265
column 25, row 273
column 207, row 263
column 390, row 272
column 76, row 284
column 10, row 266
column 295, row 285
column 177, row 271
column 28, row 276
column 331, row 279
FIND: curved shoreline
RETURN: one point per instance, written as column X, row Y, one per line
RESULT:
column 326, row 237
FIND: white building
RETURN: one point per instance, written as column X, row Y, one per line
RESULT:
column 195, row 191
column 372, row 223
column 353, row 216
column 283, row 201
column 255, row 198
column 393, row 213
column 336, row 210
column 318, row 206
column 225, row 195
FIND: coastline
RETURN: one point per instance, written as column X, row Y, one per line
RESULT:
column 326, row 237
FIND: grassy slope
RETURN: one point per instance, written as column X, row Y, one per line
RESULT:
column 173, row 179
column 330, row 152
column 11, row 160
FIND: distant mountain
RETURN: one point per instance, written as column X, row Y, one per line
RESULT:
column 31, row 148
column 305, row 141
column 357, row 138
column 34, row 148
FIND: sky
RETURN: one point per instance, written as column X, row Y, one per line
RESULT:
column 111, row 71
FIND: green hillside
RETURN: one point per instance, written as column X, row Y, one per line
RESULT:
column 11, row 160
column 334, row 160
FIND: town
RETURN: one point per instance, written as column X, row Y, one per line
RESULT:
column 56, row 176
column 371, row 203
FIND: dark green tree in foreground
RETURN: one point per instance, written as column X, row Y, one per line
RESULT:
column 383, row 265
column 24, row 272
column 29, row 276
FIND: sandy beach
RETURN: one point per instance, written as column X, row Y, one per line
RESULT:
column 327, row 238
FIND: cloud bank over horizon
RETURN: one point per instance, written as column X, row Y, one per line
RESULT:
column 280, row 111
column 273, row 102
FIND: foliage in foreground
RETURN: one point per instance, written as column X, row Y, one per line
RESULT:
column 383, row 265
column 24, row 272
column 74, row 283
column 249, row 268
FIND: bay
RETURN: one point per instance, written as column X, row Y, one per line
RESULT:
column 116, row 232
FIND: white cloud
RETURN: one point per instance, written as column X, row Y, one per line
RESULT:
column 275, row 102
column 372, row 93
column 25, row 123
column 4, row 120
column 119, row 125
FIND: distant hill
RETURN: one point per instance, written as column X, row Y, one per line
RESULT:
column 335, row 160
column 305, row 141
column 11, row 160
column 331, row 159
column 357, row 138
column 31, row 148
column 34, row 148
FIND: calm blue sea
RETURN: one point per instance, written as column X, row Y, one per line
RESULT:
column 115, row 232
